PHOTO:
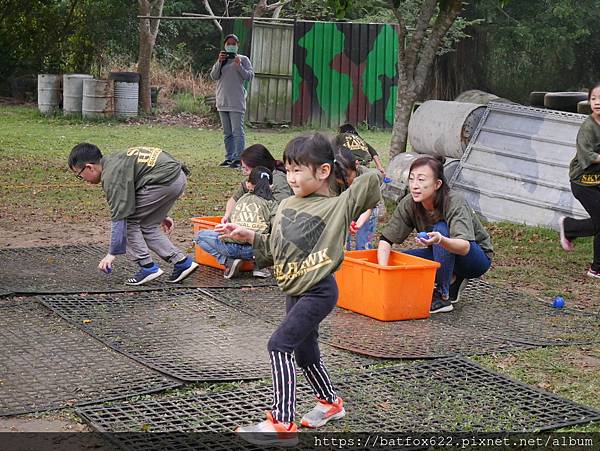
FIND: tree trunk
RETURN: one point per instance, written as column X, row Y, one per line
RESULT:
column 415, row 60
column 404, row 104
column 148, row 32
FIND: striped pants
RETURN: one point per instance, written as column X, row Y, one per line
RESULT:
column 295, row 340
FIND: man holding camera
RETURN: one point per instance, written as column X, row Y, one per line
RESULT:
column 230, row 71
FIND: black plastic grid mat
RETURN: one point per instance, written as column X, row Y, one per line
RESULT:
column 74, row 269
column 519, row 317
column 452, row 394
column 46, row 364
column 183, row 333
column 384, row 339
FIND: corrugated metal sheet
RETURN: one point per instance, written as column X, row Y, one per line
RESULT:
column 271, row 88
column 516, row 167
column 344, row 72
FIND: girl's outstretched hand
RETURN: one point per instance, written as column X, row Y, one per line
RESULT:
column 237, row 232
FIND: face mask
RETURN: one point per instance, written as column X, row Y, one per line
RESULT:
column 231, row 48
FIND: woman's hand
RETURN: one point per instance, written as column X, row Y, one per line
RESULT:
column 234, row 231
column 222, row 56
column 353, row 228
column 106, row 263
column 237, row 60
column 434, row 238
column 225, row 219
column 167, row 225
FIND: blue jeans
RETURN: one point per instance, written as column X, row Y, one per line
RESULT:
column 209, row 241
column 364, row 236
column 469, row 266
column 233, row 134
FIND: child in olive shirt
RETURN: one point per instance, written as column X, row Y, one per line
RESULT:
column 585, row 184
column 306, row 245
column 141, row 186
column 456, row 237
column 254, row 211
column 348, row 138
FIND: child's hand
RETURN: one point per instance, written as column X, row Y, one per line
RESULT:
column 106, row 263
column 235, row 232
column 224, row 220
column 167, row 225
column 353, row 228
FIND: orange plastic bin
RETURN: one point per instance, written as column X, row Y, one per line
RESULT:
column 402, row 290
column 200, row 255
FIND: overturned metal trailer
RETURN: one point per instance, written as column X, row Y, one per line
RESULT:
column 516, row 166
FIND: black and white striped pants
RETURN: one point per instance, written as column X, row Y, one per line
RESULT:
column 295, row 340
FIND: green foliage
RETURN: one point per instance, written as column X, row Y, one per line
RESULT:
column 187, row 103
column 540, row 45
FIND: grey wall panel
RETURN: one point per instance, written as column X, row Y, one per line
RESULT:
column 516, row 167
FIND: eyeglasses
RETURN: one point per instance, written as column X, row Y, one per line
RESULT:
column 78, row 175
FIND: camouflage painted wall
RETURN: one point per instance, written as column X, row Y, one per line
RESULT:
column 344, row 73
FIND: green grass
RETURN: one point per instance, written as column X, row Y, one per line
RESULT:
column 38, row 187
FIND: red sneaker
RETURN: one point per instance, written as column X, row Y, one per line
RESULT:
column 270, row 432
column 323, row 412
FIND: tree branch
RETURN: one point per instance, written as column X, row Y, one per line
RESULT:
column 210, row 11
column 418, row 36
column 443, row 22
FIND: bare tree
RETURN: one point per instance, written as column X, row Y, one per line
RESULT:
column 148, row 32
column 263, row 8
column 211, row 13
column 416, row 53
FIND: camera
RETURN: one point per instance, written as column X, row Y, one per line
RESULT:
column 231, row 55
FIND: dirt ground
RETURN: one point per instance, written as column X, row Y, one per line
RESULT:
column 19, row 234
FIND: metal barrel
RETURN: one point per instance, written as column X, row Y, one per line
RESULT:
column 73, row 92
column 97, row 98
column 444, row 128
column 48, row 93
column 126, row 99
column 584, row 107
column 397, row 170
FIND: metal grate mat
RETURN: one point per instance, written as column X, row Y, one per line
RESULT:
column 518, row 317
column 74, row 269
column 46, row 364
column 357, row 333
column 182, row 333
column 451, row 394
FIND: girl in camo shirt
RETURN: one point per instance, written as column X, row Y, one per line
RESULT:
column 306, row 246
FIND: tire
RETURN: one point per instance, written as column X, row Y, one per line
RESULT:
column 536, row 98
column 564, row 101
column 126, row 77
column 583, row 107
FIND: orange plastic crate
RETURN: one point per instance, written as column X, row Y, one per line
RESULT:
column 200, row 255
column 402, row 290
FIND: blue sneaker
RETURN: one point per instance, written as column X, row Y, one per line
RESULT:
column 145, row 275
column 182, row 269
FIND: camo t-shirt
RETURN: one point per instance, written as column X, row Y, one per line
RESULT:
column 461, row 219
column 280, row 187
column 582, row 170
column 307, row 237
column 124, row 173
column 254, row 213
column 361, row 149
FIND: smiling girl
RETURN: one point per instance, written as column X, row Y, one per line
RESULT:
column 306, row 246
column 457, row 239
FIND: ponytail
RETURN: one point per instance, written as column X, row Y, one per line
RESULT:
column 262, row 178
column 343, row 162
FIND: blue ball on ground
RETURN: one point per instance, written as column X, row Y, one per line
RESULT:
column 558, row 302
column 423, row 235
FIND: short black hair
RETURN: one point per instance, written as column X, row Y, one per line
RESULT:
column 596, row 85
column 84, row 153
column 348, row 128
